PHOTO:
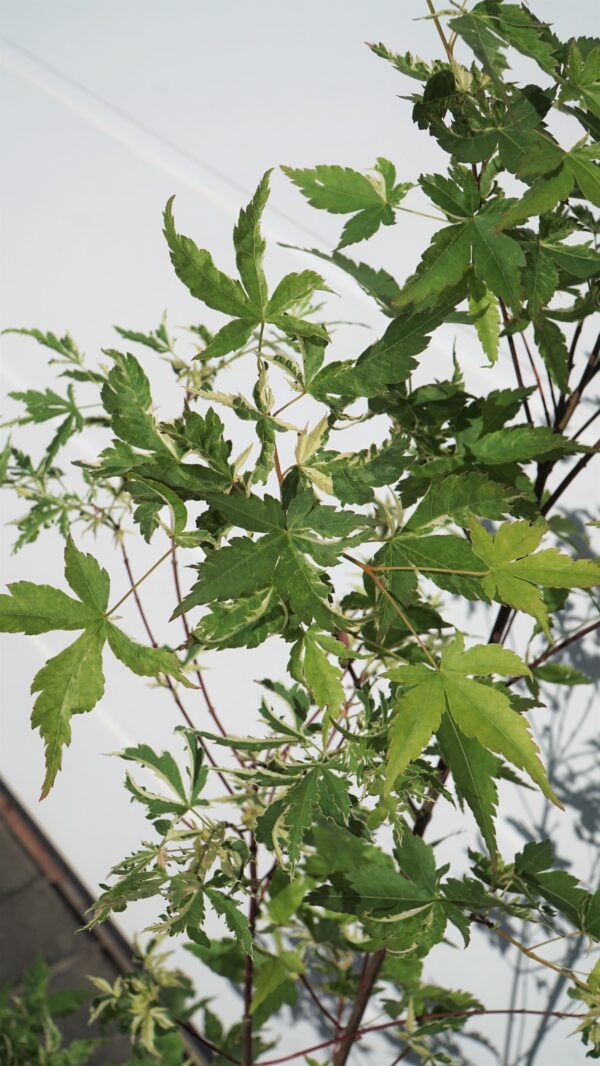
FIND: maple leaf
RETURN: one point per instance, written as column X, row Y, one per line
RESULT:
column 516, row 569
column 478, row 710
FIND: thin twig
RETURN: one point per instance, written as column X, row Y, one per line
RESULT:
column 441, row 33
column 396, row 606
column 170, row 685
column 566, row 481
column 136, row 584
column 249, row 962
column 313, row 995
column 209, row 703
column 538, row 379
column 515, row 358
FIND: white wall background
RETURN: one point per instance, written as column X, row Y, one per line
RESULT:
column 107, row 110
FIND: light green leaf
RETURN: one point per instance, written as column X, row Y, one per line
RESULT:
column 322, row 677
column 236, row 921
column 39, row 608
column 515, row 572
column 250, row 247
column 479, row 710
column 70, row 683
column 415, row 721
column 142, row 660
column 486, row 318
column 485, row 714
column 86, row 577
column 474, row 770
column 458, row 495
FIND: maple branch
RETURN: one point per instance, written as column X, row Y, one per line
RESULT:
column 370, row 971
column 170, row 685
column 515, row 358
column 136, row 584
column 438, row 1016
column 529, row 952
column 249, row 962
column 440, row 31
column 586, row 424
column 538, row 379
column 313, row 995
column 554, row 649
column 396, row 606
column 566, row 481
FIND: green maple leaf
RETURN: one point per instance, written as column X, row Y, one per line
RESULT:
column 309, row 663
column 485, row 314
column 72, row 682
column 490, row 26
column 389, row 360
column 477, row 709
column 246, row 301
column 583, row 74
column 474, row 770
column 341, row 190
column 279, row 559
column 495, row 259
column 289, row 818
column 458, row 495
column 515, row 573
column 558, row 172
column 127, row 398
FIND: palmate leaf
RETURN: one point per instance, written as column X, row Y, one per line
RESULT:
column 378, row 284
column 485, row 314
column 72, row 682
column 285, row 822
column 479, row 711
column 322, row 678
column 496, row 260
column 352, row 477
column 391, row 359
column 558, row 172
column 280, row 559
column 247, row 302
column 457, row 496
column 128, row 400
column 474, row 770
column 515, row 573
column 491, row 25
column 343, row 191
